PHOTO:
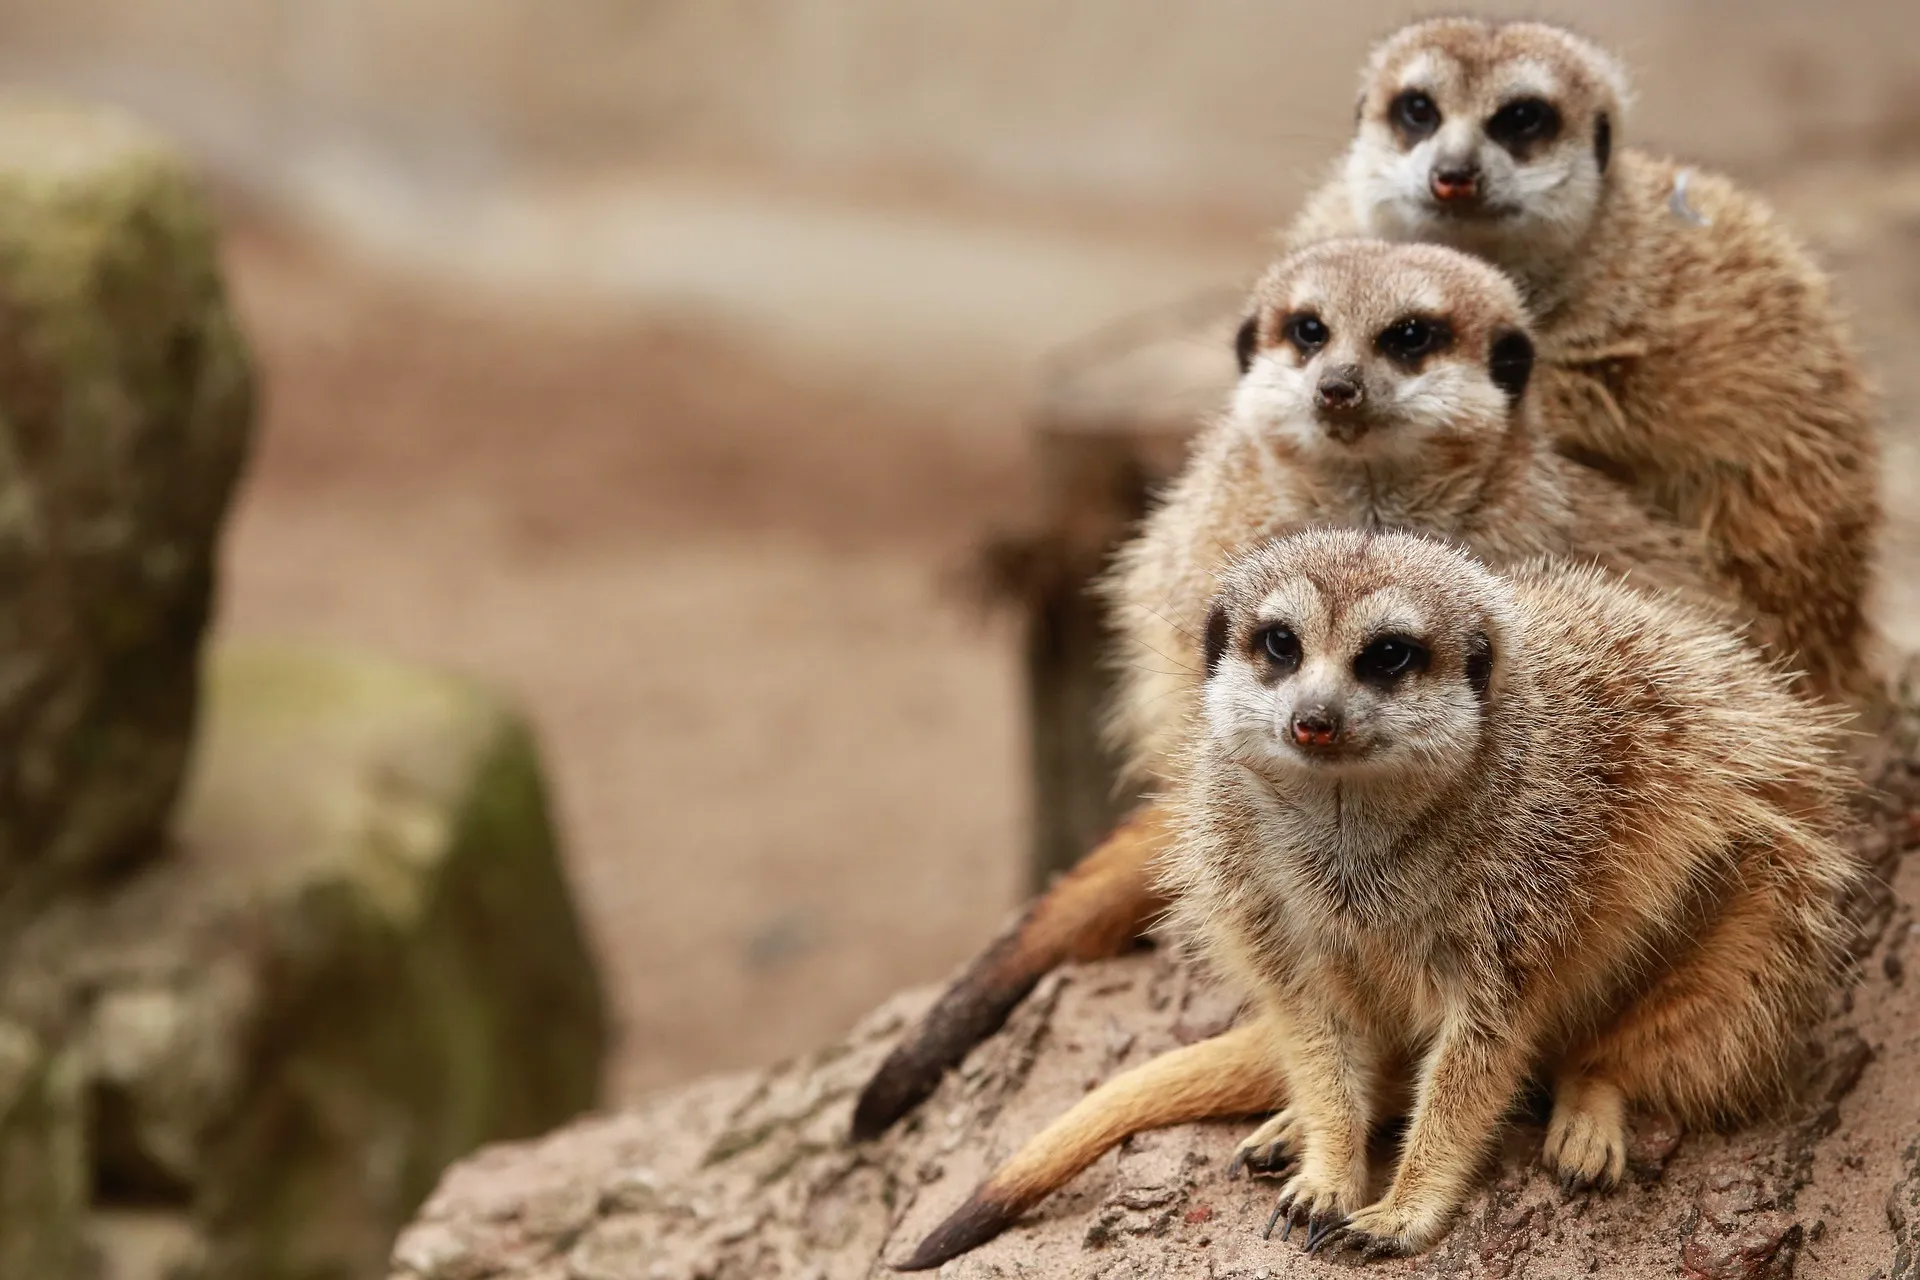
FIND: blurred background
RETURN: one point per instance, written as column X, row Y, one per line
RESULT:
column 662, row 362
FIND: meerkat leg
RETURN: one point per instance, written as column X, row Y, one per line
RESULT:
column 1096, row 910
column 1587, row 1136
column 1468, row 1083
column 1333, row 1078
column 1704, row 1040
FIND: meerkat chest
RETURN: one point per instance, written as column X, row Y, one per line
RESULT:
column 1396, row 982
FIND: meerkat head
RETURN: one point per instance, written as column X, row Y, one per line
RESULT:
column 1357, row 655
column 1365, row 351
column 1495, row 137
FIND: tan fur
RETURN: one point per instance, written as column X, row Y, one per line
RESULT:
column 1611, row 865
column 1267, row 467
column 1233, row 1074
column 1687, row 339
column 1614, row 866
column 1687, row 345
column 1445, row 452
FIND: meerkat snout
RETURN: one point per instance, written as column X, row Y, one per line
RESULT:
column 1316, row 726
column 1455, row 182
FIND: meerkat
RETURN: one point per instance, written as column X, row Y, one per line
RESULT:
column 1687, row 346
column 1448, row 831
column 1382, row 384
column 1687, row 340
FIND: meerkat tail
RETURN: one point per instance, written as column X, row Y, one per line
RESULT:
column 1233, row 1074
column 1099, row 907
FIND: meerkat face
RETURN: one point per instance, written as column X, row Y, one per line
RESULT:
column 1494, row 137
column 1366, row 656
column 1367, row 351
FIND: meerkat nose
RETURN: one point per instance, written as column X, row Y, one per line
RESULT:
column 1316, row 727
column 1451, row 182
column 1339, row 393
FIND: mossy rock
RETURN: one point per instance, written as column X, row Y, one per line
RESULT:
column 360, row 962
column 126, row 401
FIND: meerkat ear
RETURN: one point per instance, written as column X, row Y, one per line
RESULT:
column 1603, row 140
column 1246, row 341
column 1480, row 660
column 1216, row 642
column 1510, row 362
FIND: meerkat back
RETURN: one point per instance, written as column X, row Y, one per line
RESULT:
column 1688, row 342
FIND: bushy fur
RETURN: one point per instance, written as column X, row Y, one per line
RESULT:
column 1611, row 862
column 1687, row 339
column 1447, row 452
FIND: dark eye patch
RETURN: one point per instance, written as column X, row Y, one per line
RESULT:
column 1413, row 338
column 1603, row 141
column 1306, row 331
column 1414, row 115
column 1280, row 646
column 1389, row 659
column 1524, row 124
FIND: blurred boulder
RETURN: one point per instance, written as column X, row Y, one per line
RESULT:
column 752, row 1175
column 359, row 962
column 125, row 407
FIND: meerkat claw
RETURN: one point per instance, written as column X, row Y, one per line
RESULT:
column 1273, row 1219
column 1322, row 1229
column 1274, row 1158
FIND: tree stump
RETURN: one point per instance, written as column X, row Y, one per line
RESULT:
column 1115, row 416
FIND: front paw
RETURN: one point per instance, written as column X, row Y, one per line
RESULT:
column 1587, row 1136
column 1387, row 1228
column 1316, row 1201
column 1271, row 1148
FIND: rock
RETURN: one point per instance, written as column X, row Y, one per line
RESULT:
column 44, row 1178
column 125, row 407
column 359, row 963
column 1903, row 1215
column 752, row 1176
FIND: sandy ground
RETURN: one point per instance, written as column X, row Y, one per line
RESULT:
column 787, row 759
column 718, row 573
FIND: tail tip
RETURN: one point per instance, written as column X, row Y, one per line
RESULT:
column 974, row 1223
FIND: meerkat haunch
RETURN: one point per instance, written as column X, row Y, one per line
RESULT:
column 1383, row 385
column 1449, row 831
column 1687, row 341
column 1687, row 346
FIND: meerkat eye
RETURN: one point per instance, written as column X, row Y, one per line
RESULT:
column 1388, row 658
column 1306, row 331
column 1281, row 646
column 1523, row 122
column 1414, row 114
column 1409, row 339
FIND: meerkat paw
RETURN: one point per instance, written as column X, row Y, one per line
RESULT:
column 1390, row 1227
column 1269, row 1149
column 1587, row 1136
column 1317, row 1202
